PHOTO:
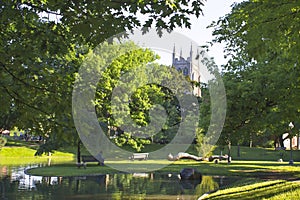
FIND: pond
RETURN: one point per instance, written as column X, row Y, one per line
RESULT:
column 15, row 184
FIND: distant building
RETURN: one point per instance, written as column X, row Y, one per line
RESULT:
column 286, row 142
column 189, row 68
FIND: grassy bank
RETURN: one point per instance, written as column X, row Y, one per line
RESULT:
column 251, row 162
column 23, row 153
column 236, row 168
column 27, row 149
column 271, row 190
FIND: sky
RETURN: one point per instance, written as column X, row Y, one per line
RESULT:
column 212, row 11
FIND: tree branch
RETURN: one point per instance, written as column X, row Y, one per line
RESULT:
column 23, row 82
column 18, row 98
column 40, row 8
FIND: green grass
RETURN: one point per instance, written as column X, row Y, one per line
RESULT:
column 28, row 152
column 256, row 161
column 263, row 190
column 25, row 161
column 22, row 153
column 246, row 153
column 236, row 168
column 21, row 143
column 261, row 154
column 291, row 194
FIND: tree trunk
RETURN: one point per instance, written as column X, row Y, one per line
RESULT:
column 298, row 141
column 281, row 141
column 275, row 142
column 238, row 151
column 229, row 152
column 78, row 152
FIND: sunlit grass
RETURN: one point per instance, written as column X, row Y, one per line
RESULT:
column 16, row 154
column 24, row 155
column 262, row 190
column 290, row 194
column 24, row 161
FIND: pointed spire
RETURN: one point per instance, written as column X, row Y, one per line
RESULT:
column 180, row 52
column 191, row 53
column 173, row 58
column 174, row 49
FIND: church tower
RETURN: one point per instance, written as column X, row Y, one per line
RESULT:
column 189, row 67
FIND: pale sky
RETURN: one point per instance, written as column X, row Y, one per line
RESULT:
column 212, row 10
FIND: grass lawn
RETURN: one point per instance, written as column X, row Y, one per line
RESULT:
column 22, row 153
column 272, row 190
column 252, row 161
column 236, row 168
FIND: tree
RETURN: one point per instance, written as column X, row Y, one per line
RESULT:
column 43, row 44
column 263, row 68
column 113, row 93
column 212, row 108
column 134, row 97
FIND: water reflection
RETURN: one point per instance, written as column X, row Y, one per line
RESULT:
column 15, row 184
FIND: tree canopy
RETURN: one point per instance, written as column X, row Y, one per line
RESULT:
column 262, row 74
column 44, row 42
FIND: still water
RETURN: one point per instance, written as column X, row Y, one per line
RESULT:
column 16, row 185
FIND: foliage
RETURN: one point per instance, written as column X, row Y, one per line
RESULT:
column 2, row 142
column 43, row 44
column 130, row 102
column 212, row 109
column 203, row 148
column 135, row 143
column 262, row 73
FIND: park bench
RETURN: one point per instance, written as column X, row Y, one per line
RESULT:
column 86, row 159
column 139, row 156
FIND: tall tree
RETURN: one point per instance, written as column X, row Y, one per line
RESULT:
column 262, row 45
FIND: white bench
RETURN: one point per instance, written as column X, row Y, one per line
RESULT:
column 139, row 156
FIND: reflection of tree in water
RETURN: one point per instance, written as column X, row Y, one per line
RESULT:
column 113, row 186
column 207, row 184
column 71, row 187
column 7, row 187
column 125, row 185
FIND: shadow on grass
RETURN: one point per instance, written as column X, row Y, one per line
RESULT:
column 21, row 143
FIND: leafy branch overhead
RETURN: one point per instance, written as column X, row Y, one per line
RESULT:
column 43, row 43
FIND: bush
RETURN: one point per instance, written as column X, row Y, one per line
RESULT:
column 202, row 144
column 2, row 142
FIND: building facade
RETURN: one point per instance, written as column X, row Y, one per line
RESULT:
column 295, row 141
